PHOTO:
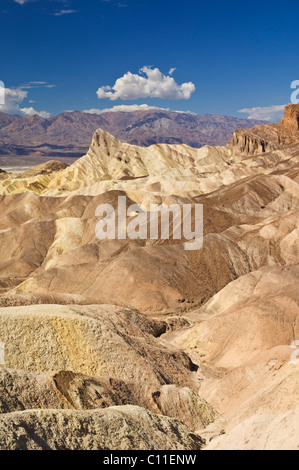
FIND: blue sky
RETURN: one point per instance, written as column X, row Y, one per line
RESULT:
column 205, row 57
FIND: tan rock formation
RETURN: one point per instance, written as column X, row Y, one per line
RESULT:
column 44, row 169
column 21, row 390
column 291, row 117
column 90, row 340
column 262, row 139
column 123, row 428
column 213, row 332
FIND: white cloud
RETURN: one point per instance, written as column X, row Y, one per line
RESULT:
column 38, row 83
column 28, row 86
column 22, row 2
column 31, row 112
column 267, row 113
column 58, row 13
column 64, row 12
column 14, row 97
column 124, row 108
column 129, row 109
column 149, row 83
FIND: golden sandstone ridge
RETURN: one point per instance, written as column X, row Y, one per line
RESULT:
column 139, row 343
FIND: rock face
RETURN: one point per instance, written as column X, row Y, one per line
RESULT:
column 253, row 142
column 103, row 337
column 291, row 117
column 262, row 139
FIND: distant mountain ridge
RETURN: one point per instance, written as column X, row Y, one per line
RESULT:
column 70, row 133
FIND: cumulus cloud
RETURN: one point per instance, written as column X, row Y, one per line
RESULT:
column 14, row 98
column 267, row 113
column 148, row 83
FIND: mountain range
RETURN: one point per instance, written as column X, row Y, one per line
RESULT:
column 67, row 136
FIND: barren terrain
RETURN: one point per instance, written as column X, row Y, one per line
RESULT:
column 140, row 344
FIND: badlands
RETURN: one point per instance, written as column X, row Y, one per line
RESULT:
column 139, row 344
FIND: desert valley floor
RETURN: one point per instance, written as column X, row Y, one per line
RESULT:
column 140, row 344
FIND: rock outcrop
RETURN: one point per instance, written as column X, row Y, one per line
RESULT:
column 266, row 138
column 254, row 142
column 291, row 118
